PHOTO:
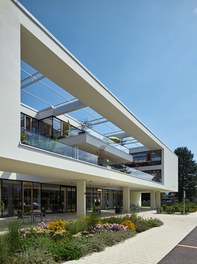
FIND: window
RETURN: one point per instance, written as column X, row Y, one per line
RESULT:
column 146, row 158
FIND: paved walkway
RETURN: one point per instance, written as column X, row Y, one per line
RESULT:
column 184, row 252
column 147, row 247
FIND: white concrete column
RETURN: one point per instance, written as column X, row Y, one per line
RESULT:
column 81, row 198
column 152, row 200
column 136, row 198
column 126, row 199
column 9, row 78
column 158, row 199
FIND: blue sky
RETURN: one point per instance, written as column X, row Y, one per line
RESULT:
column 144, row 51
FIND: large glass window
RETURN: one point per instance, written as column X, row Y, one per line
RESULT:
column 27, row 197
column 92, row 195
column 106, row 197
column 71, row 199
column 11, row 197
column 68, row 199
column 36, row 196
column 45, row 127
column 23, row 196
column 51, row 198
column 146, row 158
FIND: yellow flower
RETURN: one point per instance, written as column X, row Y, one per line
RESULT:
column 130, row 225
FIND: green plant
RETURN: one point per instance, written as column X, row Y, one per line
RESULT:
column 141, row 226
column 57, row 225
column 159, row 210
column 66, row 249
column 77, row 225
column 129, row 224
column 24, row 137
column 4, row 249
column 13, row 236
column 154, row 222
column 91, row 219
column 170, row 209
column 33, row 256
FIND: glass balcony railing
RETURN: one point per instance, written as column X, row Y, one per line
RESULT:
column 107, row 140
column 41, row 142
column 48, row 144
column 136, row 173
column 75, row 132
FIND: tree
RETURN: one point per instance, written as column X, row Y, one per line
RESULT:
column 187, row 173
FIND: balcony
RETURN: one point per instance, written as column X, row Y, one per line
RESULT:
column 92, row 141
column 53, row 146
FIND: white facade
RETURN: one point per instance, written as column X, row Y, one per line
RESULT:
column 24, row 38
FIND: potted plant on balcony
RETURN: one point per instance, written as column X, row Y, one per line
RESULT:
column 102, row 156
column 66, row 129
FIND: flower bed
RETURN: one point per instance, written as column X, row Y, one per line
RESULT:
column 61, row 240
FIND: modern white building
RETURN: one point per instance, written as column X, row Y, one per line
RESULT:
column 55, row 150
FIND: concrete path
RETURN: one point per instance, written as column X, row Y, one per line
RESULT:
column 147, row 247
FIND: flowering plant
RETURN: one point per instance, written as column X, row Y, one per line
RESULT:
column 41, row 228
column 108, row 227
column 57, row 225
column 129, row 224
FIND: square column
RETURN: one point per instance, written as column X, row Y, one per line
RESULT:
column 152, row 200
column 126, row 199
column 81, row 198
column 158, row 199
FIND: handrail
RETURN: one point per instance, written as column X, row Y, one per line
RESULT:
column 48, row 144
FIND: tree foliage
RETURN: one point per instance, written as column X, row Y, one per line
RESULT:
column 187, row 173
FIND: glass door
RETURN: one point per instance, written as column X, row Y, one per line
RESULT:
column 31, row 199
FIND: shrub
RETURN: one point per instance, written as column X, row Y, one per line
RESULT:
column 90, row 244
column 91, row 220
column 99, row 241
column 112, row 220
column 77, row 225
column 154, row 222
column 170, row 209
column 66, row 249
column 116, row 237
column 33, row 256
column 129, row 224
column 141, row 226
column 35, row 241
